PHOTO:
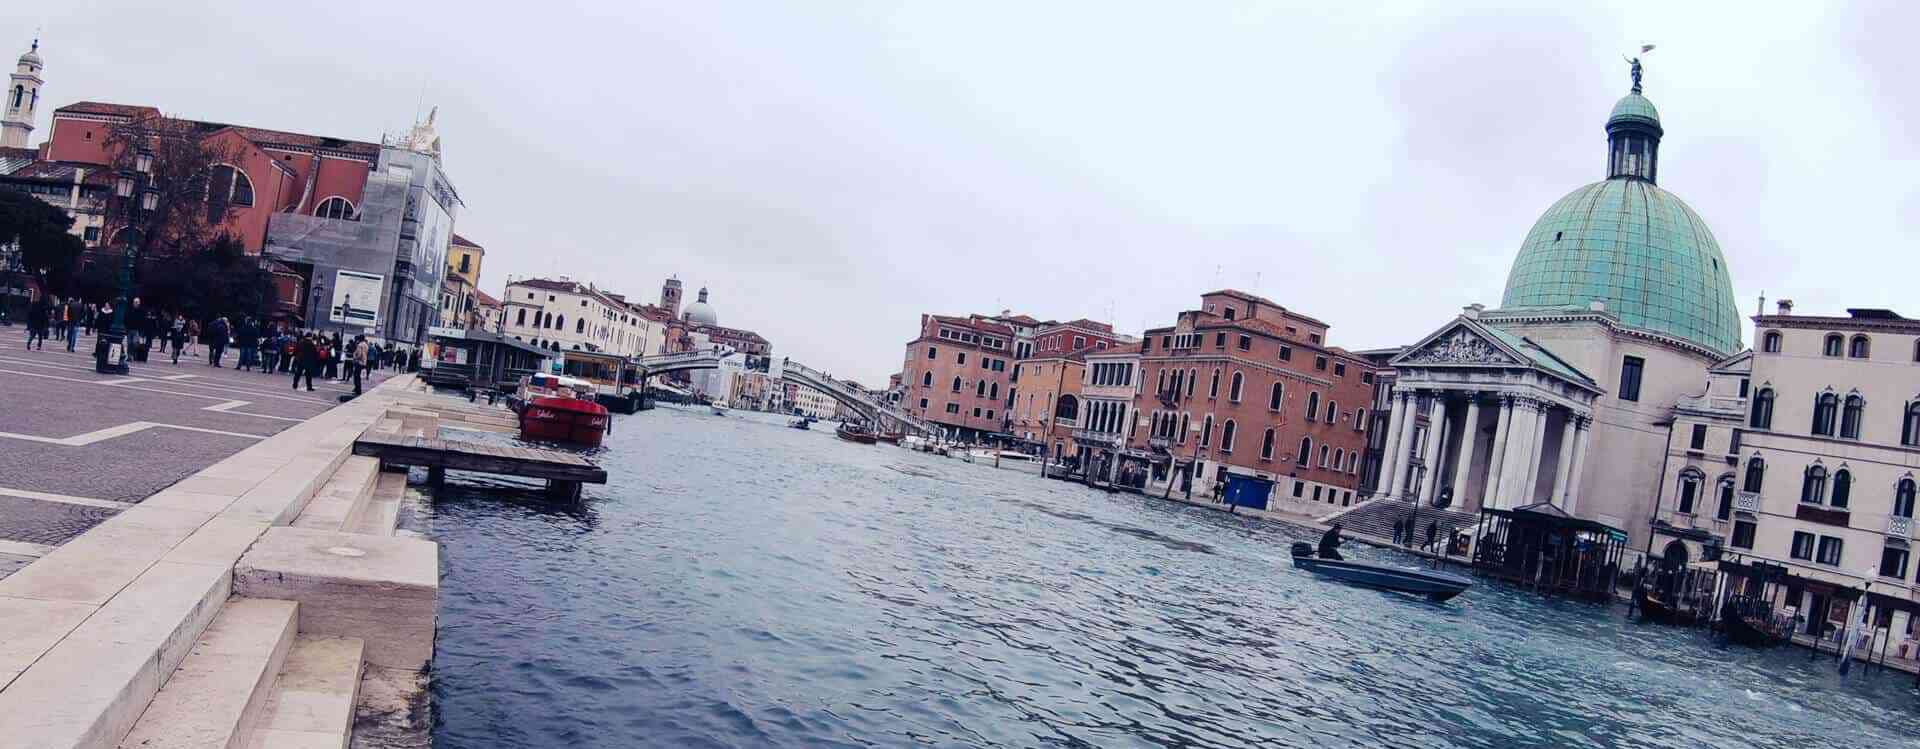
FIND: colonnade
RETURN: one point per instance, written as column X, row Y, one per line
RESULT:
column 1514, row 459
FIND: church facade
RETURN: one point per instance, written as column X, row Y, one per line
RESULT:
column 1617, row 305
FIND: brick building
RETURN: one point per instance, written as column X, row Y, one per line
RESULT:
column 1245, row 385
column 958, row 374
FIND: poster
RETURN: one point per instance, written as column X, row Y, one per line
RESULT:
column 356, row 298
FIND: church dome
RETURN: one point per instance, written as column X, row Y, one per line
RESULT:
column 33, row 55
column 1627, row 243
column 700, row 312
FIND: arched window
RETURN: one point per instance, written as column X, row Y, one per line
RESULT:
column 1851, row 415
column 227, row 185
column 1339, row 457
column 1226, row 437
column 1690, row 481
column 1858, row 348
column 1306, row 451
column 1068, row 408
column 580, row 326
column 1193, row 375
column 993, row 391
column 1213, row 385
column 926, row 379
column 1770, row 342
column 1186, row 424
column 521, row 319
column 1233, row 390
column 1266, row 445
column 1842, row 489
column 1825, row 408
column 1910, row 425
column 1916, row 350
column 1273, row 400
column 980, row 388
column 1333, row 411
column 1359, row 419
column 1833, row 345
column 19, row 95
column 336, row 207
column 956, row 383
column 1726, row 498
column 1813, row 486
column 1903, row 498
column 1323, row 456
column 1756, row 475
column 1206, row 431
column 1313, row 406
column 1762, row 409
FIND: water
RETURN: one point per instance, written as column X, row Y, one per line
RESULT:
column 743, row 584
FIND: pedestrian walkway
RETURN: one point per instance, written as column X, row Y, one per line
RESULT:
column 77, row 447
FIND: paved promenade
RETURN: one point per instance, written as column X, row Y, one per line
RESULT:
column 77, row 447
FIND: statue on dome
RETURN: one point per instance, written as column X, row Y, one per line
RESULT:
column 1633, row 66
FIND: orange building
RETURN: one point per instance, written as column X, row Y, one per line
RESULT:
column 1247, row 386
column 958, row 374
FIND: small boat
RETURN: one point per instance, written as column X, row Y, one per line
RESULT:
column 1652, row 608
column 1438, row 586
column 720, row 409
column 553, row 408
column 854, row 433
column 801, row 423
column 1750, row 626
column 891, row 438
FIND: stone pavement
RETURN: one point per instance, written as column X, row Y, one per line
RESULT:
column 77, row 447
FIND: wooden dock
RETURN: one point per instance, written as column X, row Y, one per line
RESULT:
column 564, row 472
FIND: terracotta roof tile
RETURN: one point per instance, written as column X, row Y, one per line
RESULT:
column 464, row 242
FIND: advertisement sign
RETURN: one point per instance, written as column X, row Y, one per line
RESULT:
column 431, row 241
column 356, row 298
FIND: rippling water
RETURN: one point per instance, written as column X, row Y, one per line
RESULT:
column 742, row 584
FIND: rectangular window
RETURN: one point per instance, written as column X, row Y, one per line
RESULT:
column 1829, row 551
column 1339, row 369
column 1744, row 384
column 1314, row 337
column 1220, row 340
column 1893, row 563
column 1366, row 378
column 933, row 351
column 1286, row 353
column 923, row 404
column 961, row 357
column 1802, row 545
column 1246, row 343
column 1166, row 341
column 976, row 412
column 1297, row 487
column 1699, row 441
column 1630, row 370
column 466, row 263
column 1079, row 343
column 953, row 408
column 1319, row 364
column 1742, row 534
column 1146, row 345
column 1689, row 491
column 989, row 413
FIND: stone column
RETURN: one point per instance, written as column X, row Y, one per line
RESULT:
column 1469, row 436
column 1436, row 437
column 1564, row 466
column 1583, row 433
column 1513, row 469
column 1537, row 453
column 1496, row 457
column 1390, row 453
column 1402, row 457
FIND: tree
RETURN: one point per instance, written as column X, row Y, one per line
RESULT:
column 219, row 281
column 42, row 234
column 190, row 177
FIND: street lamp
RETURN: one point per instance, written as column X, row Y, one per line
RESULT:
column 313, row 313
column 110, row 349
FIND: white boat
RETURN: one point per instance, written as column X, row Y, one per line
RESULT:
column 720, row 409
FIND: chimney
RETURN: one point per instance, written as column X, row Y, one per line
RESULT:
column 1785, row 306
column 1597, row 305
column 1472, row 311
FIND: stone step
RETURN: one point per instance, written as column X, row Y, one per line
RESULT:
column 344, row 496
column 222, row 686
column 381, row 512
column 312, row 704
column 381, row 589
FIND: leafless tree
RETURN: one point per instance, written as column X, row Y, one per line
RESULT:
column 194, row 185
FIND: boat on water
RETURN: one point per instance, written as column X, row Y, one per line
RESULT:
column 719, row 409
column 1653, row 608
column 1750, row 622
column 854, row 433
column 1437, row 586
column 801, row 423
column 556, row 408
column 891, row 438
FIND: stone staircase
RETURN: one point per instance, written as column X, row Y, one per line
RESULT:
column 255, row 604
column 1376, row 518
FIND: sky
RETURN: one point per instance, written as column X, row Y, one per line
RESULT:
column 831, row 170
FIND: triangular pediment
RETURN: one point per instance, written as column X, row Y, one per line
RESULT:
column 1461, row 343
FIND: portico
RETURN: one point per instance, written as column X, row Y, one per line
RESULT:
column 1486, row 418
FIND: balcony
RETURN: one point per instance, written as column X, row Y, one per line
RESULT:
column 1747, row 502
column 1899, row 527
column 1160, row 443
column 1098, row 439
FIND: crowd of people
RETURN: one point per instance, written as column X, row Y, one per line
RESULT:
column 270, row 348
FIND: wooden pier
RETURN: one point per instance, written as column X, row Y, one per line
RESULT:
column 564, row 472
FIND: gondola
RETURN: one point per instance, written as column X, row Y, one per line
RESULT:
column 1438, row 586
column 1748, row 627
column 854, row 433
column 1652, row 609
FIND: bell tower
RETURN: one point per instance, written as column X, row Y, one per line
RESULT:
column 670, row 296
column 22, row 100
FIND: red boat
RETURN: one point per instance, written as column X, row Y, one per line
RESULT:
column 559, row 409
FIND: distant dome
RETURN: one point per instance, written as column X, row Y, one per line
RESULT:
column 700, row 312
column 32, row 55
column 1634, row 107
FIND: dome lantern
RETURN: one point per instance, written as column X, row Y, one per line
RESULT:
column 1633, row 136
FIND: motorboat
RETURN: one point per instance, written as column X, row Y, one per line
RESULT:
column 891, row 438
column 1438, row 586
column 719, row 409
column 556, row 408
column 801, row 423
column 854, row 433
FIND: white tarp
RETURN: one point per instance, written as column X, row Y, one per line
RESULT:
column 356, row 298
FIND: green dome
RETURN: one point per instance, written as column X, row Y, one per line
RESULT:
column 1639, row 249
column 1634, row 107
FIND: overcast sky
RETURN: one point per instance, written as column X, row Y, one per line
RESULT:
column 833, row 169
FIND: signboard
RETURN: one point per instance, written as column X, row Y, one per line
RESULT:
column 356, row 298
column 438, row 331
column 431, row 239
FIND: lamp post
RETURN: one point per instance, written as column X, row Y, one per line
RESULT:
column 313, row 312
column 136, row 192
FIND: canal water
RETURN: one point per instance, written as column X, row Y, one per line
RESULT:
column 741, row 584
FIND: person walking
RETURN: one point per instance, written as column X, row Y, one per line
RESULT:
column 70, row 321
column 270, row 350
column 177, row 334
column 306, row 360
column 359, row 365
column 219, row 336
column 38, row 314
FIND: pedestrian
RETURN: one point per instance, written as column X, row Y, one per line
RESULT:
column 270, row 350
column 177, row 334
column 38, row 314
column 360, row 346
column 219, row 335
column 245, row 338
column 307, row 359
column 70, row 321
column 193, row 335
column 288, row 342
